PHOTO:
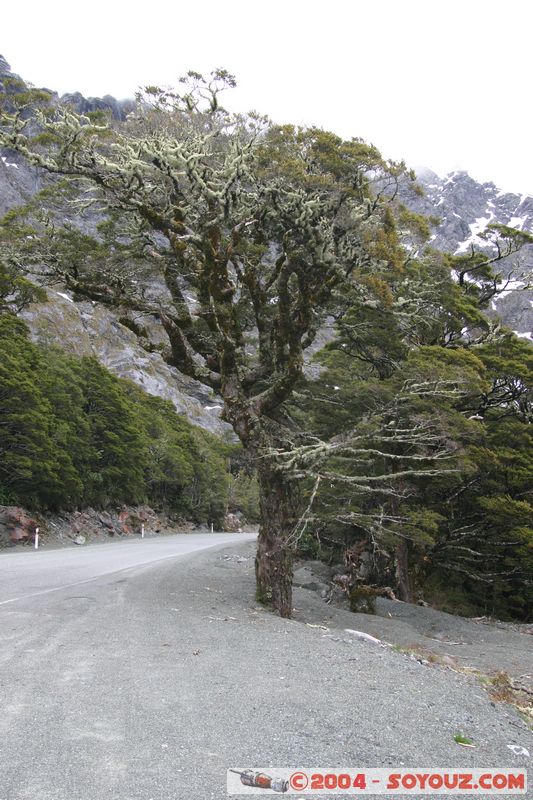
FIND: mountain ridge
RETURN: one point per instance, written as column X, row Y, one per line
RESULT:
column 465, row 209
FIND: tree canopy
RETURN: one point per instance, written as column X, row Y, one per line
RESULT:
column 73, row 435
column 242, row 240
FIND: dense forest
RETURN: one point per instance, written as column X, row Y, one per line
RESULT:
column 409, row 455
column 461, row 537
column 73, row 435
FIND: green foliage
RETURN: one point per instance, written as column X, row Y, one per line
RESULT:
column 6, row 496
column 460, row 738
column 72, row 434
column 489, row 549
column 309, row 546
column 186, row 469
column 468, row 529
column 16, row 291
column 362, row 600
column 118, row 450
column 32, row 465
column 244, row 495
column 208, row 492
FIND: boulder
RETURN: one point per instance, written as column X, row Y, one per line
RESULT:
column 306, row 579
column 319, row 569
column 16, row 526
column 126, row 522
column 232, row 523
column 362, row 600
column 107, row 522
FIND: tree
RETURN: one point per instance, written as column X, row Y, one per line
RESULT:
column 16, row 291
column 256, row 232
column 186, row 468
column 462, row 532
column 115, row 472
column 377, row 442
column 33, row 465
column 485, row 546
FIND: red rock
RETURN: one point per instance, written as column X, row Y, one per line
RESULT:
column 16, row 525
column 125, row 523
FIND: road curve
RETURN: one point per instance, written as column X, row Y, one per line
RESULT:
column 34, row 573
column 142, row 671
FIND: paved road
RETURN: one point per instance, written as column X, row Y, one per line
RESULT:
column 146, row 681
column 35, row 573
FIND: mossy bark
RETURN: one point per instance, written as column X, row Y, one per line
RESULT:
column 362, row 600
column 403, row 577
column 274, row 558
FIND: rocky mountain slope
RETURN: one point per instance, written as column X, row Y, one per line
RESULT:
column 89, row 329
column 463, row 206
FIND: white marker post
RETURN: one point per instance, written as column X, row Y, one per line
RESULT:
column 36, row 542
column 142, row 531
column 211, row 527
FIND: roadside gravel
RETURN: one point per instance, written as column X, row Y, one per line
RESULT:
column 486, row 645
column 150, row 684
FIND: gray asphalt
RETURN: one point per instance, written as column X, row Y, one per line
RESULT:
column 39, row 572
column 148, row 680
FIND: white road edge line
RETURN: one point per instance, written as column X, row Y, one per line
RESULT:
column 104, row 574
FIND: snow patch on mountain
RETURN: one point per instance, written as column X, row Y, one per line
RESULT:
column 475, row 240
column 517, row 222
column 465, row 208
column 9, row 163
column 510, row 287
column 65, row 296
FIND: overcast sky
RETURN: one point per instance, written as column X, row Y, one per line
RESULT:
column 443, row 84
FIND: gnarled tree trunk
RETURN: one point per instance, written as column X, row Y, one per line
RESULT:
column 278, row 502
column 401, row 552
column 273, row 561
column 403, row 577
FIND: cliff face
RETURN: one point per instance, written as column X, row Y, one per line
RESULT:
column 18, row 181
column 87, row 329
